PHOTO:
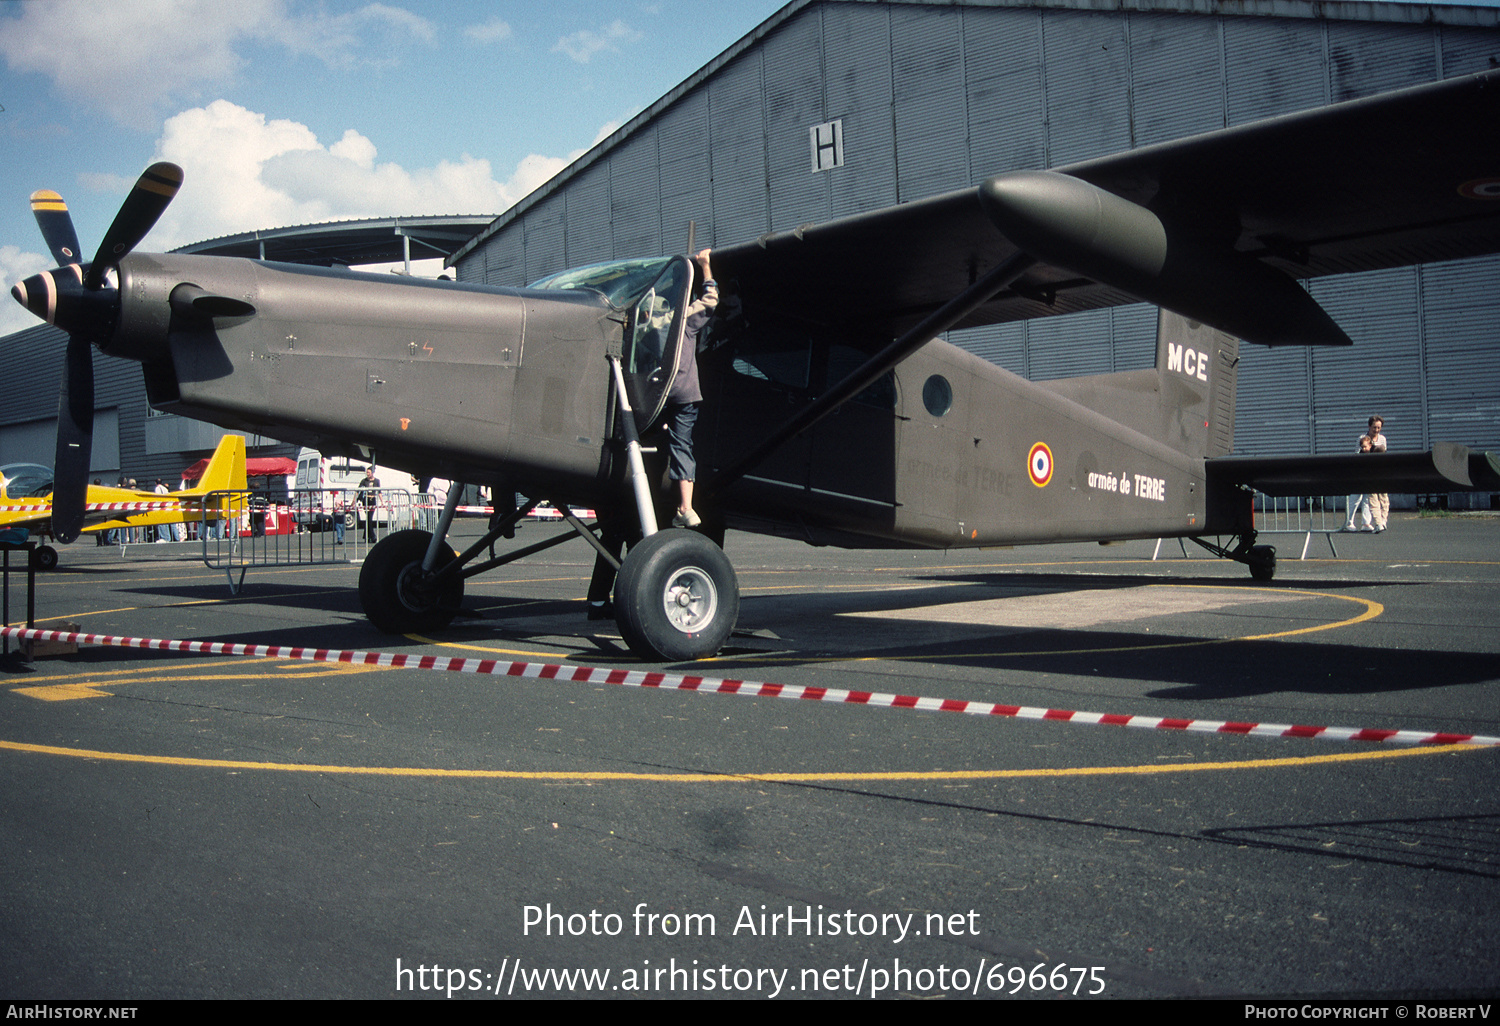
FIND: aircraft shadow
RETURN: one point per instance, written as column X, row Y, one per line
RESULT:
column 1209, row 665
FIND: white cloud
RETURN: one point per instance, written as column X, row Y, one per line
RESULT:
column 339, row 40
column 582, row 45
column 491, row 31
column 112, row 56
column 16, row 264
column 244, row 171
column 606, row 130
column 130, row 58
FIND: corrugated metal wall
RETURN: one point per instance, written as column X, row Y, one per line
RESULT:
column 936, row 97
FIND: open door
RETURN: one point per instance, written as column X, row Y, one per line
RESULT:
column 653, row 338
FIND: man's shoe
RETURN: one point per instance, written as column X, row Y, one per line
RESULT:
column 601, row 611
column 688, row 519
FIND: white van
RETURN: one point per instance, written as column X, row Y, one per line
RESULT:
column 329, row 488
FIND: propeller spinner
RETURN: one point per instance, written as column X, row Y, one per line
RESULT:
column 74, row 298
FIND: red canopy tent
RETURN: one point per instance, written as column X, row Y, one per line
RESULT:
column 257, row 466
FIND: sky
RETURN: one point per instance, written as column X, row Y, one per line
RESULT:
column 287, row 112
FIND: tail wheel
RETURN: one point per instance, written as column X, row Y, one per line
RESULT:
column 676, row 597
column 394, row 591
column 44, row 557
column 1262, row 562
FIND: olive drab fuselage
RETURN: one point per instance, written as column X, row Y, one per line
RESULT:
column 481, row 383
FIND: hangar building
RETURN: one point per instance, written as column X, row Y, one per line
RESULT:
column 835, row 107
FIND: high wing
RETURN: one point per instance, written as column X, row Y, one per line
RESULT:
column 1399, row 178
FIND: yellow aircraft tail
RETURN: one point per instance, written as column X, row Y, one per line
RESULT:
column 225, row 473
column 226, row 470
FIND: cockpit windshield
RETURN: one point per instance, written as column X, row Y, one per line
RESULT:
column 26, row 480
column 621, row 281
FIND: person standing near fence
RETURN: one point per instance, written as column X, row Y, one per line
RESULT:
column 368, row 488
column 1380, row 504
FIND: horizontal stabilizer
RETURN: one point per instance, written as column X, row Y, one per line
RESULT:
column 1445, row 468
column 1484, row 471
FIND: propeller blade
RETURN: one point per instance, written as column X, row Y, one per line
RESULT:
column 52, row 218
column 75, row 441
column 153, row 191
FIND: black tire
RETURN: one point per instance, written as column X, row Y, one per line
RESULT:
column 386, row 586
column 351, row 520
column 676, row 597
column 44, row 558
column 1263, row 562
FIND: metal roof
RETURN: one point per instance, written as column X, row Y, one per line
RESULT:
column 1327, row 10
column 345, row 243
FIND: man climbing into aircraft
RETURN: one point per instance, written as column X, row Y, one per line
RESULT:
column 685, row 395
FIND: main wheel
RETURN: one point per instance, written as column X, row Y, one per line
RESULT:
column 390, row 585
column 44, row 557
column 676, row 597
column 1263, row 562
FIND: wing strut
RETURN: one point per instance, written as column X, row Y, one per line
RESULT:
column 934, row 324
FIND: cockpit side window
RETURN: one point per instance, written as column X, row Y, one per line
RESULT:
column 619, row 281
column 26, row 480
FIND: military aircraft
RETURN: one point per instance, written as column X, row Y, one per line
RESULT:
column 831, row 413
column 26, row 496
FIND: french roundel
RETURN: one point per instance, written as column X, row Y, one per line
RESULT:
column 1481, row 189
column 1039, row 464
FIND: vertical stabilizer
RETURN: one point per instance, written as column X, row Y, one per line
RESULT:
column 1186, row 401
column 1198, row 367
column 226, row 470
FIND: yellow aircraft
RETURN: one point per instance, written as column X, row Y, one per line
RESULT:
column 26, row 499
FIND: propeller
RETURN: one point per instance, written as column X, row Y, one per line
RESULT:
column 75, row 298
column 52, row 218
column 153, row 191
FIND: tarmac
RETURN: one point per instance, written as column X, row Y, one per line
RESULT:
column 180, row 825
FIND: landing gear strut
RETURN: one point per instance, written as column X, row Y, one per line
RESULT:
column 1261, row 559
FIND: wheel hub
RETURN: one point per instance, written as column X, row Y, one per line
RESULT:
column 411, row 590
column 690, row 600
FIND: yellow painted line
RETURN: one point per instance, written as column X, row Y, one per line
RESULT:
column 136, row 669
column 61, row 692
column 230, row 600
column 75, row 689
column 215, row 575
column 1372, row 610
column 484, row 648
column 563, row 776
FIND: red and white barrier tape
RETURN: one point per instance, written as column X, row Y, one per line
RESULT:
column 540, row 513
column 104, row 507
column 651, row 679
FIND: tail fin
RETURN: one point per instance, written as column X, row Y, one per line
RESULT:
column 1198, row 370
column 226, row 469
column 1186, row 402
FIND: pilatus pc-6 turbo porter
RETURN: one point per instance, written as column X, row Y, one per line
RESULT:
column 831, row 413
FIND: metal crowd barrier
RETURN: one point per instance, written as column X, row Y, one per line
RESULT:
column 315, row 526
column 1306, row 515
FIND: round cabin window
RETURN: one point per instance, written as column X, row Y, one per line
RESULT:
column 937, row 395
